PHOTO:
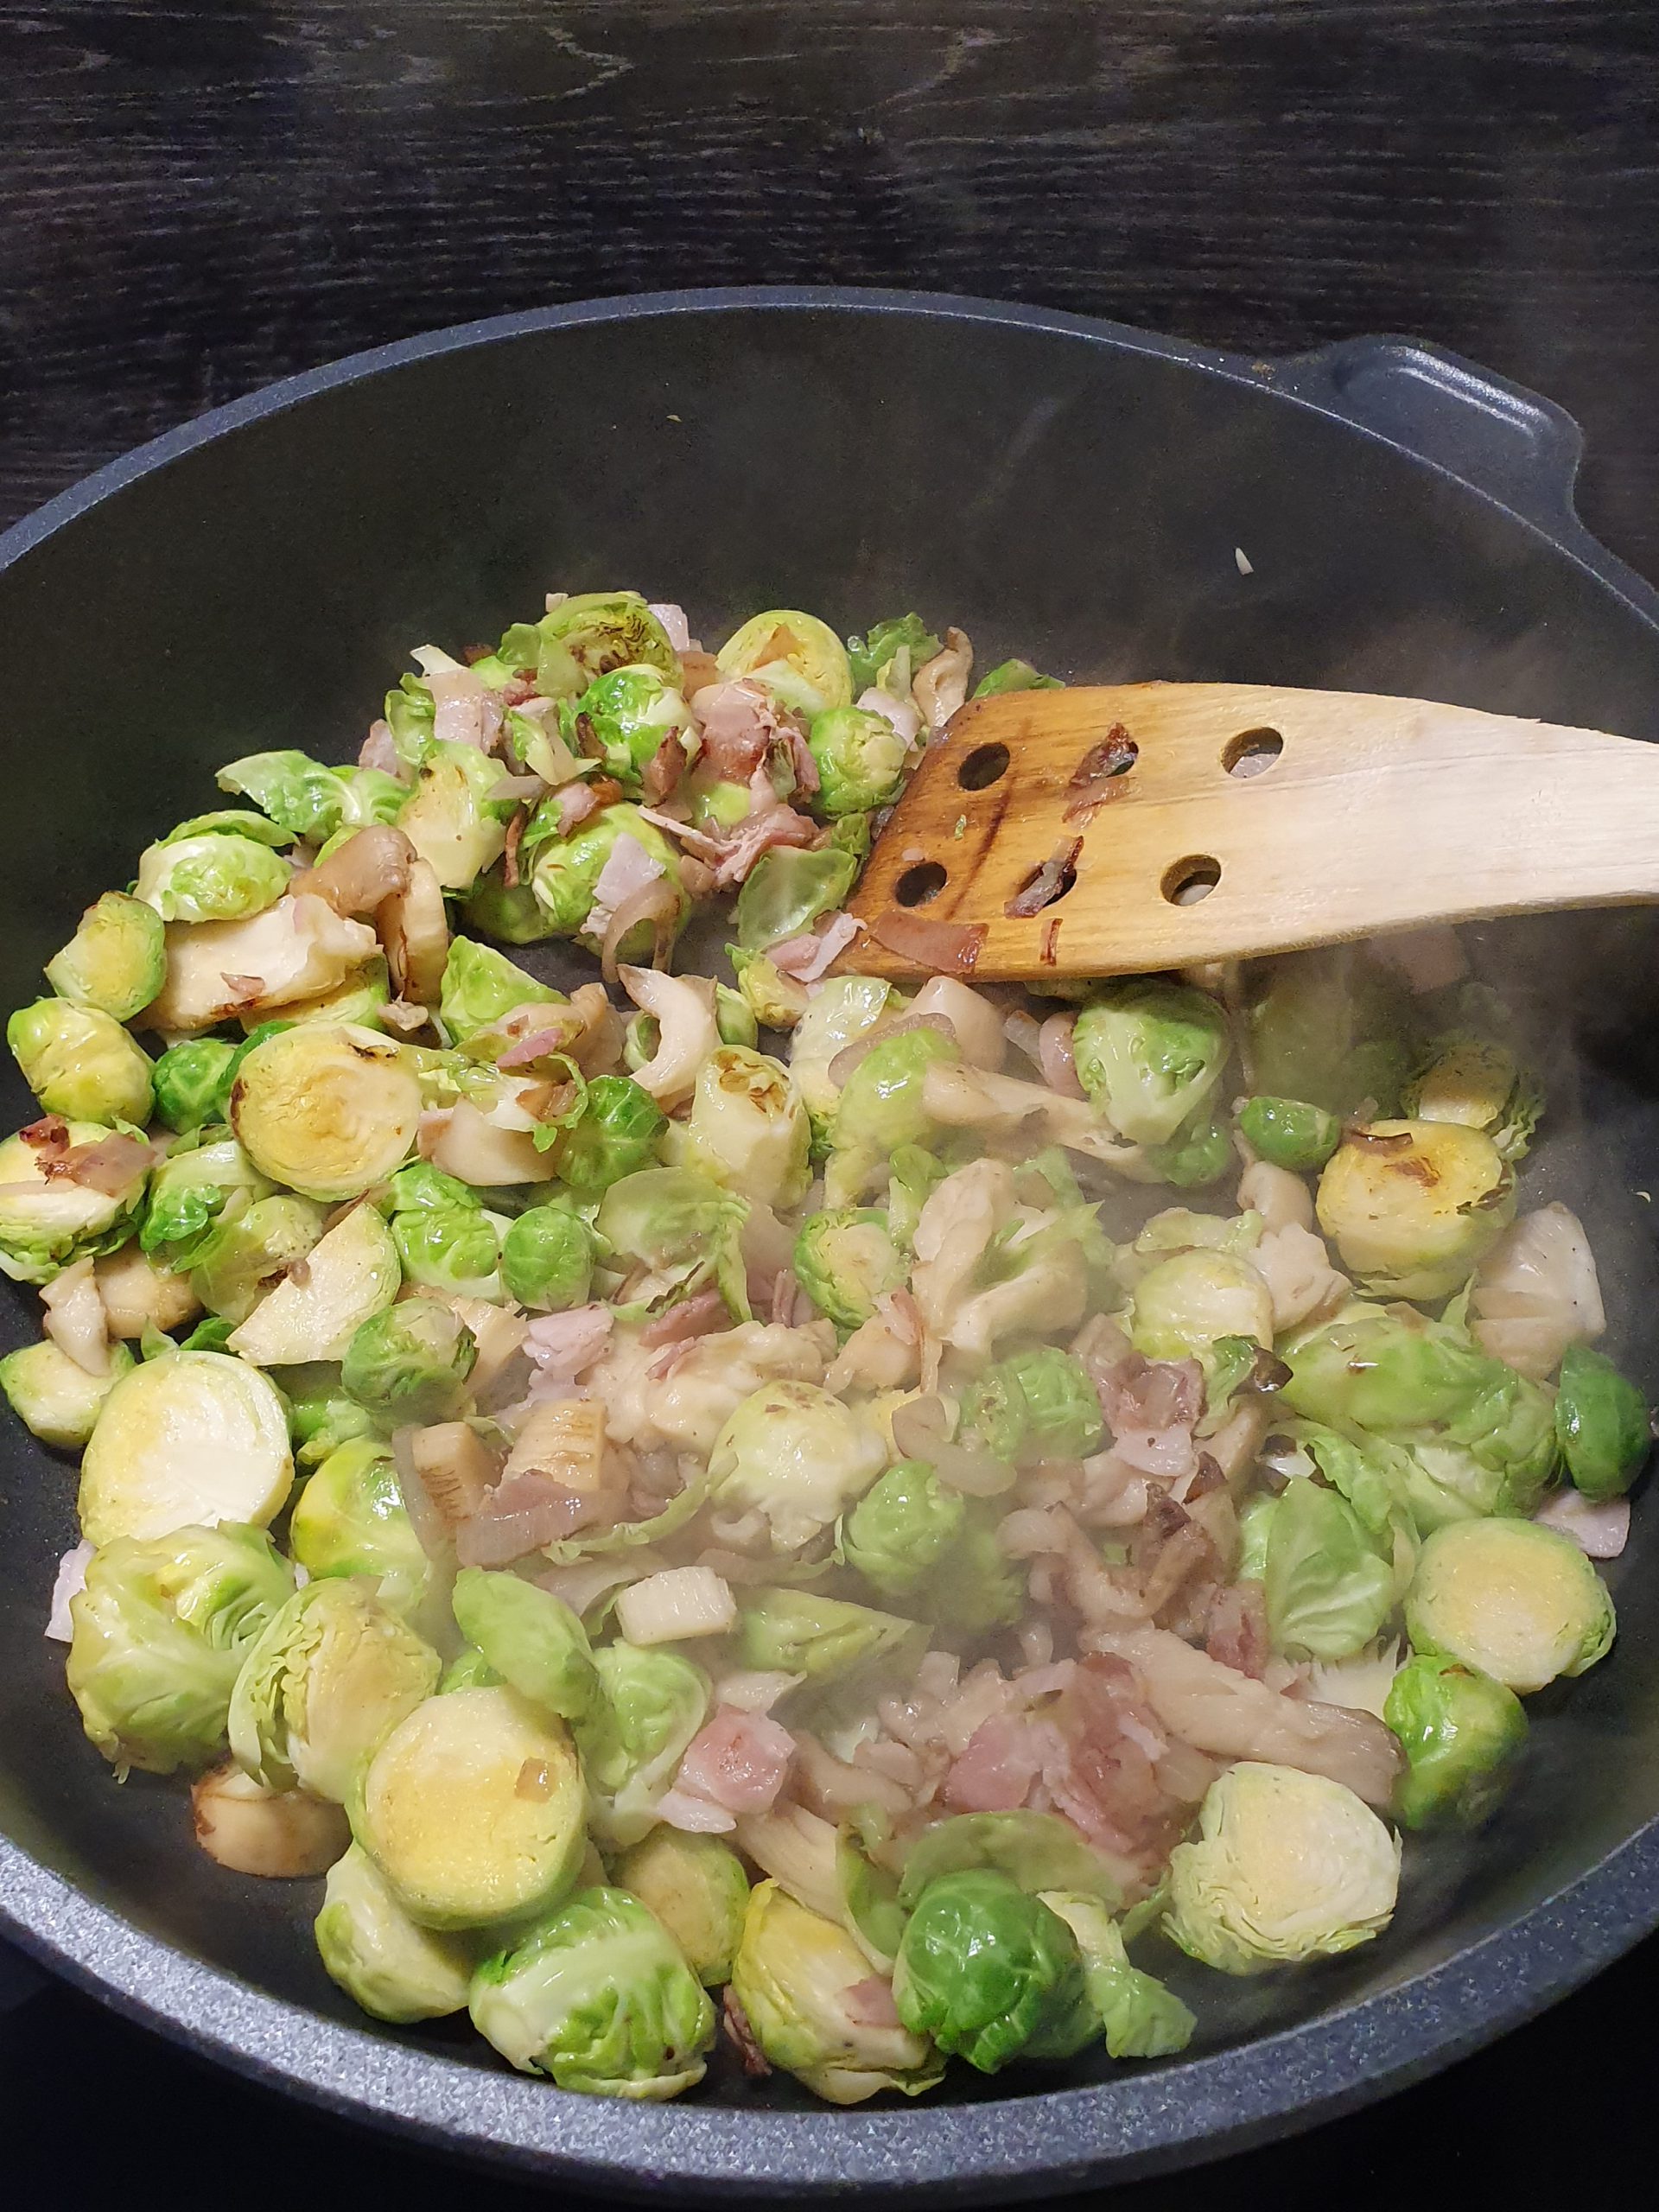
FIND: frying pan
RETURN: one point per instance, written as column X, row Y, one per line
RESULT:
column 1377, row 515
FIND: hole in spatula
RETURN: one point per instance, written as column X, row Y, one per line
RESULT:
column 919, row 884
column 1251, row 751
column 1191, row 879
column 985, row 765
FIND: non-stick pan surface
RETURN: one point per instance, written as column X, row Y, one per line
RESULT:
column 1074, row 492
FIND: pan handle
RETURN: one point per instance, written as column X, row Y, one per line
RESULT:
column 1516, row 447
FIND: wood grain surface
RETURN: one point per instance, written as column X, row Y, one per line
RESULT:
column 199, row 198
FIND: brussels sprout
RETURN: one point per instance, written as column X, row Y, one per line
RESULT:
column 617, row 1136
column 712, row 803
column 54, row 1395
column 1183, row 1306
column 1150, row 1056
column 1287, row 1866
column 626, row 716
column 450, row 818
column 1462, row 1734
column 116, row 960
column 1469, row 1434
column 547, row 1258
column 1332, row 1028
column 1510, row 1598
column 234, row 821
column 1601, row 1421
column 47, row 1223
column 252, row 1249
column 411, row 713
column 1036, row 1404
column 321, row 1417
column 1194, row 1157
column 678, row 1226
column 350, row 1519
column 787, row 889
column 565, row 871
column 308, row 800
column 454, row 1248
column 860, row 759
column 649, row 1705
column 586, row 636
column 510, row 911
column 1288, row 1132
column 796, row 1454
column 409, row 1363
column 903, row 1527
column 1037, row 1850
column 468, row 1670
column 800, row 1632
column 881, row 1107
column 989, row 1972
column 481, row 985
column 188, row 1194
column 1013, row 676
column 798, row 658
column 422, row 1188
column 914, row 1176
column 211, row 1333
column 190, row 1438
column 599, row 1997
column 845, row 1260
column 327, row 1110
column 747, row 1126
column 332, row 1672
column 872, row 657
column 80, row 1063
column 380, row 1958
column 211, row 878
column 533, row 1639
column 349, row 1276
column 976, row 1587
column 695, row 1885
column 775, row 1001
column 1328, row 1591
column 1411, row 1206
column 190, row 1082
column 796, row 1978
column 1139, row 2017
column 1474, row 1080
column 839, row 1011
column 160, row 1630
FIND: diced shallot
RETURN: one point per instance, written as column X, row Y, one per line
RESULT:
column 681, row 1603
column 1600, row 1528
column 71, row 1581
column 904, row 714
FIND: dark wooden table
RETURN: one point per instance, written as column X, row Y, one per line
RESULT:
column 200, row 198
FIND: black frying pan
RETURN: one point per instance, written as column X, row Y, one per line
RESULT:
column 1063, row 488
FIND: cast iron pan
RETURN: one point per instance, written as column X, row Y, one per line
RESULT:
column 1066, row 489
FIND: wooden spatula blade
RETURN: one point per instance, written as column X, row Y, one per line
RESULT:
column 1186, row 822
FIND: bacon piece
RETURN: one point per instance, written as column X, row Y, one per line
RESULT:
column 1150, row 1406
column 109, row 1166
column 518, row 1516
column 738, row 1761
column 1236, row 1631
column 806, row 957
column 1004, row 1757
column 698, row 1316
column 664, row 769
column 740, row 720
column 562, row 1344
column 741, row 2036
column 759, row 833
column 946, row 947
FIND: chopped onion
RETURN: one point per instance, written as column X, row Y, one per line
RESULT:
column 1600, row 1528
column 71, row 1580
column 921, row 1430
column 657, row 901
column 755, row 1689
column 75, row 1319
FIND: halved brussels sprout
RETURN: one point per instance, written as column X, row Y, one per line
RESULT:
column 190, row 1082
column 280, row 1835
column 1288, row 1132
column 481, row 985
column 350, row 1519
column 1475, row 1081
column 734, row 1017
column 327, row 1110
column 161, row 1631
column 382, row 1960
column 1601, row 1421
column 320, row 1307
column 798, row 658
column 1013, row 676
column 860, row 759
column 531, row 1638
column 626, row 716
column 565, row 872
column 215, row 877
column 54, row 1395
column 1183, row 1306
column 473, row 1808
column 250, row 1251
column 321, row 1417
column 889, row 654
column 332, row 1672
column 673, row 1231
column 1038, row 1404
column 186, row 1440
column 801, row 1632
column 786, row 891
column 450, row 818
column 116, row 960
column 846, row 1260
column 797, row 1978
column 47, row 1223
column 1334, row 1028
column 1510, row 1598
column 650, row 1704
column 547, row 1258
column 797, row 1455
column 696, row 1887
column 775, row 1001
column 587, row 635
column 1138, row 2017
column 81, row 1063
column 990, row 1973
column 1287, row 1866
column 1328, row 1589
column 747, row 1126
column 1412, row 1205
column 1150, row 1056
column 308, row 800
column 410, row 1363
column 598, row 1996
column 839, row 1011
column 1462, row 1734
column 1037, row 1850
column 188, row 1192
column 511, row 912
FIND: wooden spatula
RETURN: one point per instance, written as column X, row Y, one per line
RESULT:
column 1133, row 827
